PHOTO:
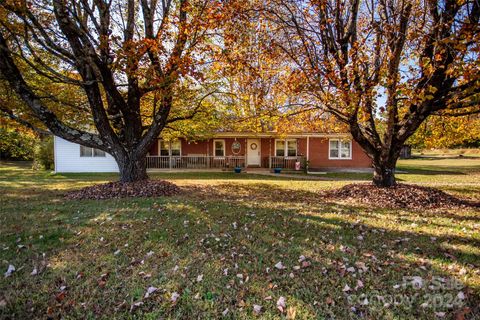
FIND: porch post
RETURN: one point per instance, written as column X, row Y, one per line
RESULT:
column 208, row 153
column 308, row 147
column 245, row 150
column 270, row 152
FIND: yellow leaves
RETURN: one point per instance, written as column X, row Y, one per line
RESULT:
column 445, row 132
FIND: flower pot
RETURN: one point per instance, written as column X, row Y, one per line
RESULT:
column 277, row 170
column 238, row 170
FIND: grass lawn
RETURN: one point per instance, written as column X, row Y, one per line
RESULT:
column 211, row 251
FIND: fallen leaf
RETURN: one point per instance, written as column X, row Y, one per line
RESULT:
column 281, row 304
column 291, row 313
column 462, row 313
column 10, row 270
column 359, row 285
column 257, row 309
column 150, row 291
column 136, row 305
column 174, row 297
column 59, row 297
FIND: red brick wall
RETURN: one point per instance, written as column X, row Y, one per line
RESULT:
column 267, row 143
column 194, row 148
column 302, row 147
column 154, row 149
column 319, row 156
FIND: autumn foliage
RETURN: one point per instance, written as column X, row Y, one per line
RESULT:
column 381, row 67
column 113, row 75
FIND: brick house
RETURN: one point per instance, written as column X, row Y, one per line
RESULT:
column 225, row 150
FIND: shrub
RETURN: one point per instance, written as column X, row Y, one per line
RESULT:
column 16, row 144
column 43, row 157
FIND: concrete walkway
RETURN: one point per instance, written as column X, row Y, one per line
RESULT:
column 299, row 176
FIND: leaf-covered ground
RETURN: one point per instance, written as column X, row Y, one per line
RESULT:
column 235, row 246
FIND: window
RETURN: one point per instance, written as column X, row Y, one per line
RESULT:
column 286, row 148
column 340, row 149
column 172, row 148
column 98, row 153
column 91, row 152
column 292, row 148
column 219, row 148
column 164, row 148
column 176, row 147
column 280, row 148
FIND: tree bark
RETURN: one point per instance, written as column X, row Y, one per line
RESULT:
column 384, row 175
column 132, row 168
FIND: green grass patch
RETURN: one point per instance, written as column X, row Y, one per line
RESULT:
column 217, row 243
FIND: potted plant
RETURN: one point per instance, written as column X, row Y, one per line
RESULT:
column 277, row 170
column 238, row 169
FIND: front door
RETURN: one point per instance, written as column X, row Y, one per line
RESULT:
column 253, row 152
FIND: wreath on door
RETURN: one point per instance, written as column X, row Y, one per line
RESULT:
column 253, row 146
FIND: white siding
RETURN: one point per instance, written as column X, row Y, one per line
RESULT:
column 67, row 159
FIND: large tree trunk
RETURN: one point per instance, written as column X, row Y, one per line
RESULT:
column 384, row 175
column 384, row 170
column 132, row 168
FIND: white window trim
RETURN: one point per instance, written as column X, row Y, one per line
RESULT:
column 285, row 148
column 339, row 149
column 224, row 147
column 169, row 143
column 92, row 154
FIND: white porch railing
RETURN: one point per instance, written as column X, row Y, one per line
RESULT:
column 206, row 162
column 194, row 162
column 286, row 162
